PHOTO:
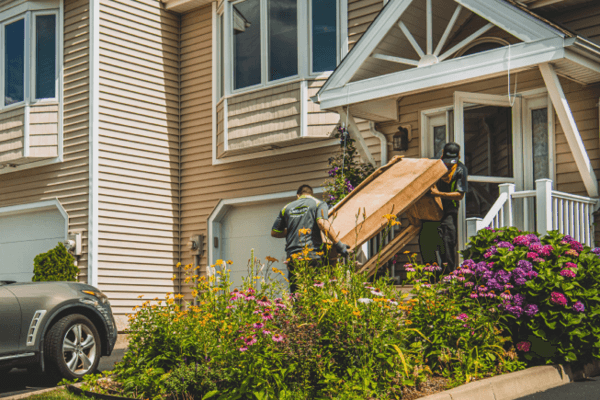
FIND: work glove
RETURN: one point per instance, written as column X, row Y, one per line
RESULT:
column 341, row 248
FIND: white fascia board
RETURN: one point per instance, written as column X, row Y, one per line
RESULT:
column 449, row 72
column 512, row 20
column 386, row 19
column 170, row 5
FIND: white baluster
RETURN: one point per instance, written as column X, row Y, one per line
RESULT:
column 509, row 189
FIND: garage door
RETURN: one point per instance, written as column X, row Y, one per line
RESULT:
column 25, row 235
column 249, row 227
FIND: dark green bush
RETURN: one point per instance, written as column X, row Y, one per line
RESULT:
column 55, row 265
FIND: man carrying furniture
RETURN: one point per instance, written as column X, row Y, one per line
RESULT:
column 301, row 223
column 451, row 188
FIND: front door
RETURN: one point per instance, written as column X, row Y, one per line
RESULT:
column 488, row 129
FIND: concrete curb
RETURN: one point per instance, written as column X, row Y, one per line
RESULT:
column 42, row 391
column 517, row 384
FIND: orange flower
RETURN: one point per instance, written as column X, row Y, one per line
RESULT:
column 304, row 231
column 271, row 259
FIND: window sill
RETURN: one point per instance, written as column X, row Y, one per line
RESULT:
column 278, row 83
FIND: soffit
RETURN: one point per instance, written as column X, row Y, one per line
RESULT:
column 181, row 6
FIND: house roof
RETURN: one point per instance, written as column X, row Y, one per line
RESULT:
column 396, row 54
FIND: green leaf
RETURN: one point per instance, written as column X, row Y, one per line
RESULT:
column 210, row 394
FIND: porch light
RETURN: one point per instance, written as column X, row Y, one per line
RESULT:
column 400, row 139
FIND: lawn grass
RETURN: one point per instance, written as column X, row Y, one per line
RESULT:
column 58, row 394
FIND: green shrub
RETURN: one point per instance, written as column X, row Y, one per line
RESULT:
column 55, row 265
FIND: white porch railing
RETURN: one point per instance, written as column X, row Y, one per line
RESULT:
column 568, row 213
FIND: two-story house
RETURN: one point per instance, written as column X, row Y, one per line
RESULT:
column 138, row 124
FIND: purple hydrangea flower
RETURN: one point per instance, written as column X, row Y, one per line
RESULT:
column 596, row 251
column 568, row 238
column 575, row 245
column 517, row 311
column 532, row 275
column 531, row 310
column 533, row 238
column 578, row 306
column 520, row 281
column 518, row 299
column 506, row 245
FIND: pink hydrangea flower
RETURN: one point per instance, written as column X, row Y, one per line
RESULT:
column 546, row 250
column 558, row 298
column 570, row 265
column 524, row 346
column 568, row 273
column 532, row 255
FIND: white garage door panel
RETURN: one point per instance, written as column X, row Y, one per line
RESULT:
column 249, row 227
column 23, row 236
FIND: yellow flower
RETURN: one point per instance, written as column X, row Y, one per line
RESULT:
column 229, row 262
column 170, row 301
column 357, row 313
column 344, row 291
column 395, row 222
column 219, row 272
column 179, row 296
column 390, row 217
column 406, row 252
column 174, row 277
column 295, row 256
column 408, row 322
column 304, row 231
column 271, row 259
column 188, row 279
column 140, row 296
column 168, row 294
column 257, row 277
column 320, row 253
column 178, row 265
column 194, row 293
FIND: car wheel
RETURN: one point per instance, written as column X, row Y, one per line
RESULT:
column 72, row 347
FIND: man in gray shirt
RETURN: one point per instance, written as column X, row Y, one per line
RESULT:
column 301, row 223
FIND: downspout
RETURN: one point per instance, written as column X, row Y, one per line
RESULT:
column 179, row 258
column 383, row 139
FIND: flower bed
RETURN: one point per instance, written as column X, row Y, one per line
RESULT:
column 342, row 337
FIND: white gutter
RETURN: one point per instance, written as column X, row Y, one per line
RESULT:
column 383, row 139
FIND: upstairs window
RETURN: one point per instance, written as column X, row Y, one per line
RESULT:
column 264, row 42
column 28, row 59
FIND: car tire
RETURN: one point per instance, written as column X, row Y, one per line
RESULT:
column 72, row 347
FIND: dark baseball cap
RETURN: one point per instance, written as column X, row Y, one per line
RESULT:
column 451, row 153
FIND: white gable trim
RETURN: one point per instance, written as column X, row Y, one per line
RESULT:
column 444, row 74
column 364, row 47
column 498, row 12
column 512, row 20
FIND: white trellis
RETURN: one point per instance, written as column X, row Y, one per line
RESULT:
column 431, row 56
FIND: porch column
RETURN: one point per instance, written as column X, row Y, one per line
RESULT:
column 563, row 111
column 543, row 205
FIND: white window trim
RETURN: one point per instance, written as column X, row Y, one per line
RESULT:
column 18, row 9
column 427, row 117
column 29, row 13
column 33, row 58
column 219, row 212
column 304, row 46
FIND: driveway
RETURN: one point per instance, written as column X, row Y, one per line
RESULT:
column 588, row 389
column 19, row 381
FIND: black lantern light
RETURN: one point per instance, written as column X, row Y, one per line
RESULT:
column 400, row 139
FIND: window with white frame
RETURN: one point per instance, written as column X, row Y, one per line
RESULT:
column 266, row 42
column 29, row 58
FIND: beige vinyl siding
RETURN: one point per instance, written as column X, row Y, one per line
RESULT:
column 43, row 131
column 11, row 134
column 584, row 21
column 264, row 117
column 360, row 15
column 319, row 123
column 66, row 181
column 138, row 151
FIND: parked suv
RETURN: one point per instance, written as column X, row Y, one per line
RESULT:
column 61, row 328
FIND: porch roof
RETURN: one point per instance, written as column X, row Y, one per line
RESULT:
column 382, row 64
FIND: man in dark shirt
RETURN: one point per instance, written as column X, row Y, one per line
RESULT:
column 301, row 223
column 451, row 188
